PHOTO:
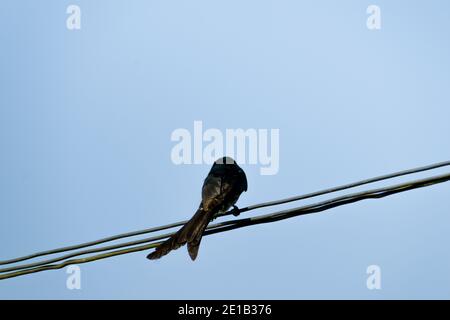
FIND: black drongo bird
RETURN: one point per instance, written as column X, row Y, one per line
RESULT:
column 221, row 189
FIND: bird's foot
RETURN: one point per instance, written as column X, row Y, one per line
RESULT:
column 236, row 211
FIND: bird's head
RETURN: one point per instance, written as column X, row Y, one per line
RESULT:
column 225, row 160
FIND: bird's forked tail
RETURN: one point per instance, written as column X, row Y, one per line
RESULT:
column 191, row 233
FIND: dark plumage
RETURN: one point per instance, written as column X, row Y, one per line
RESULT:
column 221, row 189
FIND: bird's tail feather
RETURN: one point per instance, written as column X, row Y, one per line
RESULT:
column 194, row 244
column 191, row 233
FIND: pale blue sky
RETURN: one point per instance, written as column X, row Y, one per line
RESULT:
column 86, row 118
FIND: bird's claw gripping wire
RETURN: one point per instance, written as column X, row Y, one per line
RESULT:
column 236, row 211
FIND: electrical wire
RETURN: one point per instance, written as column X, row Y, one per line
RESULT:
column 244, row 209
column 245, row 222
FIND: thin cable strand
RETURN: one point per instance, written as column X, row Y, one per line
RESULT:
column 245, row 209
column 267, row 218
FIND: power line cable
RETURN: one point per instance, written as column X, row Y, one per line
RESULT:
column 244, row 209
column 245, row 222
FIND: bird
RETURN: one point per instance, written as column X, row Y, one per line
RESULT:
column 221, row 189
